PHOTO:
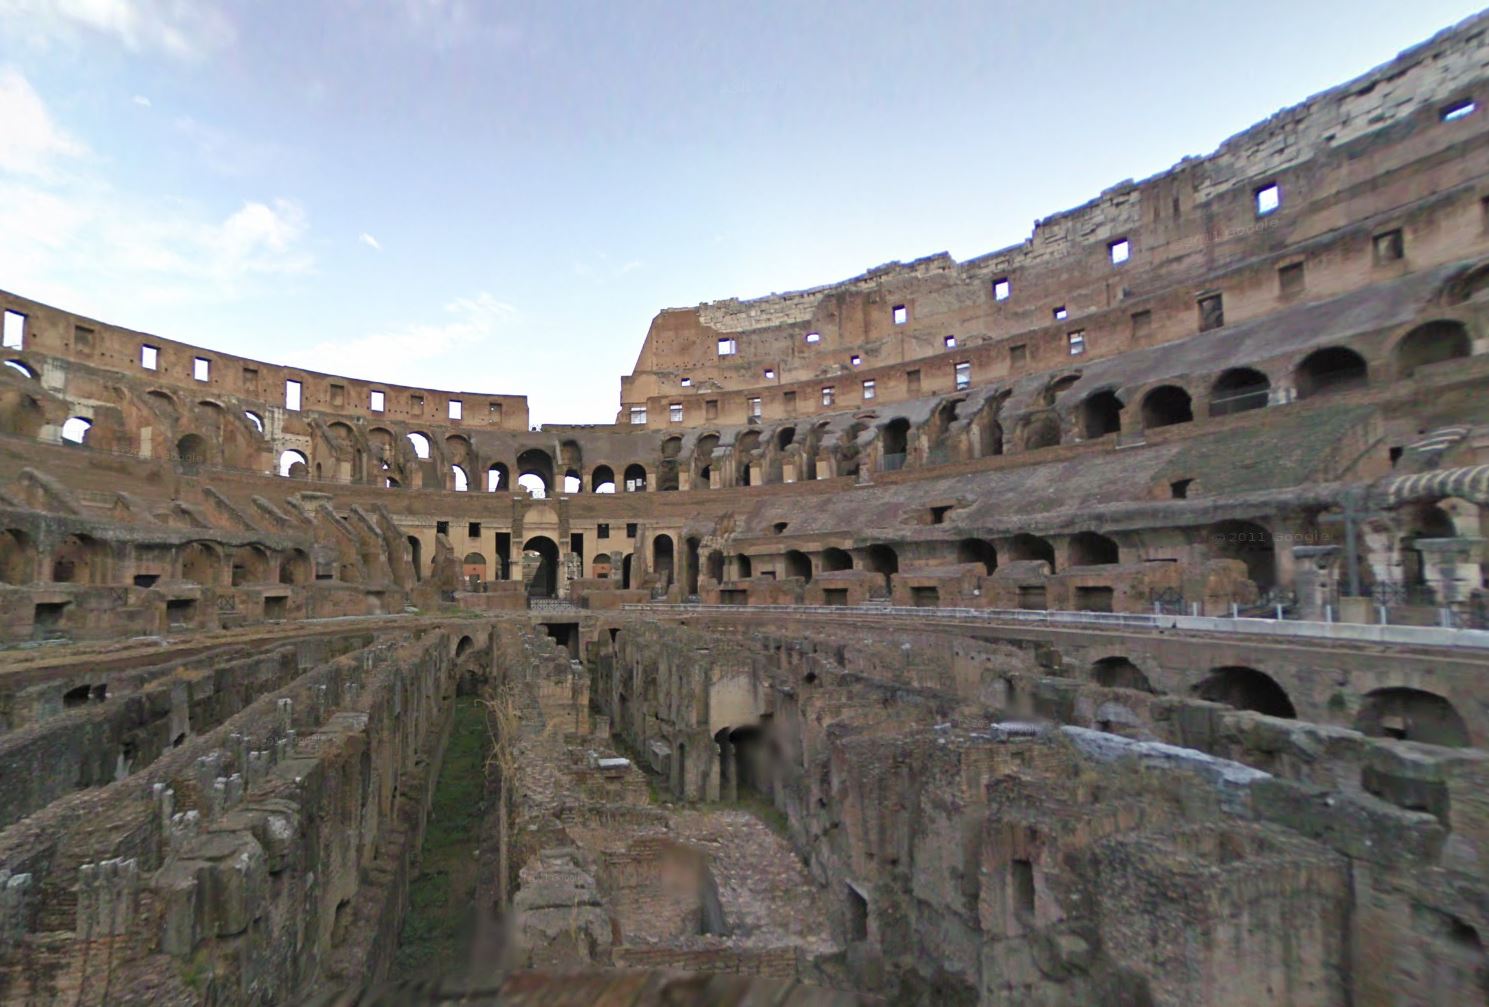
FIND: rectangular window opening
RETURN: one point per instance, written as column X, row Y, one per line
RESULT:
column 912, row 382
column 728, row 347
column 1290, row 279
column 1119, row 251
column 829, row 395
column 1142, row 323
column 201, row 368
column 950, row 342
column 376, row 401
column 1001, row 289
column 15, row 331
column 473, row 529
column 710, row 409
column 1061, row 314
column 963, row 373
column 686, row 382
column 292, row 395
column 495, row 410
column 338, row 394
column 638, row 416
column 1457, row 110
column 1076, row 342
column 1211, row 312
column 813, row 338
column 416, row 405
column 754, row 405
column 1018, row 355
column 789, row 400
column 855, row 360
column 457, row 408
column 442, row 527
column 150, row 357
column 1389, row 247
column 900, row 314
column 602, row 530
column 770, row 374
column 869, row 390
column 674, row 412
column 631, row 529
column 1268, row 199
column 82, row 339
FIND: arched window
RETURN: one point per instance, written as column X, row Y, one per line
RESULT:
column 420, row 443
column 976, row 550
column 1331, row 369
column 294, row 465
column 1250, row 543
column 497, row 478
column 1025, row 547
column 602, row 479
column 75, row 430
column 255, row 419
column 1090, row 549
column 460, row 482
column 836, row 559
column 535, row 472
column 798, row 564
column 192, row 451
column 1238, row 390
column 1412, row 715
column 1246, row 689
column 1101, row 414
column 635, row 478
column 1166, row 406
column 1431, row 343
column 1120, row 673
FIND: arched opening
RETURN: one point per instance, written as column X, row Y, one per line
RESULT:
column 1120, row 673
column 883, row 560
column 1431, row 343
column 785, row 437
column 420, row 443
column 1043, row 431
column 1427, row 521
column 625, row 572
column 1239, row 390
column 572, row 483
column 1166, row 406
column 75, row 430
column 716, row 566
column 601, row 566
column 78, row 559
column 1101, row 414
column 250, row 565
column 294, row 568
column 691, row 563
column 199, row 564
column 602, row 479
column 894, row 442
column 294, row 465
column 1091, row 549
column 497, row 478
column 21, row 369
column 1412, row 715
column 473, row 571
column 254, row 420
column 661, row 561
column 667, row 469
column 976, row 550
column 535, row 472
column 540, row 566
column 1250, row 543
column 1023, row 547
column 20, row 414
column 635, row 478
column 836, row 559
column 17, row 558
column 459, row 481
column 1331, row 369
column 1246, row 689
column 464, row 646
column 191, row 450
column 798, row 564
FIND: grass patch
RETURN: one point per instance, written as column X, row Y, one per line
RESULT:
column 441, row 906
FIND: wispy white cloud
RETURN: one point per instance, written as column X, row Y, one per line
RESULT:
column 599, row 268
column 90, row 246
column 141, row 101
column 33, row 144
column 185, row 29
column 370, row 241
column 397, row 353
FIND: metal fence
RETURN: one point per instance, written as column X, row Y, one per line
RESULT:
column 1425, row 636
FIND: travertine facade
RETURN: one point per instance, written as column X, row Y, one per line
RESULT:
column 1100, row 620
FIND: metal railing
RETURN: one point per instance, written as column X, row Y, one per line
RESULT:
column 1428, row 636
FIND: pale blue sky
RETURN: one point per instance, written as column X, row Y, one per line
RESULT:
column 498, row 197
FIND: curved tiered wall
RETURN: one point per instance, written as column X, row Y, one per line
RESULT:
column 1253, row 385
